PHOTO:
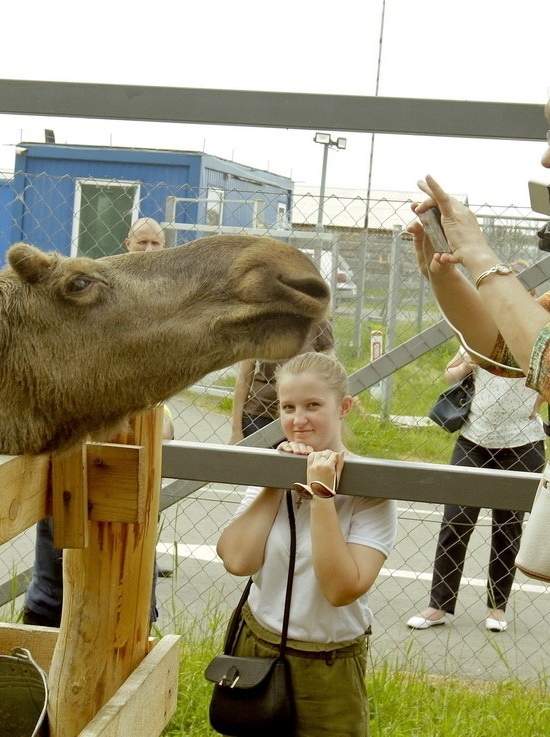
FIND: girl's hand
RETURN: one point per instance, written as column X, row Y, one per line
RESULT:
column 323, row 466
column 467, row 243
column 300, row 449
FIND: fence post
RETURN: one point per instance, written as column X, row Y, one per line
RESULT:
column 360, row 281
column 170, row 234
column 420, row 306
column 107, row 600
column 392, row 306
column 334, row 274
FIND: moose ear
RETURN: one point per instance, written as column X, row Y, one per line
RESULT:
column 29, row 263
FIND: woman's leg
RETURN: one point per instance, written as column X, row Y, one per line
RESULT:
column 454, row 535
column 507, row 524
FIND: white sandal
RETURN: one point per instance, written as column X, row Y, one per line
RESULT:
column 496, row 625
column 423, row 623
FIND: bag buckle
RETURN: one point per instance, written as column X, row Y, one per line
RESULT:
column 230, row 678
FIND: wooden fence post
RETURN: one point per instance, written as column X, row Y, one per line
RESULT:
column 107, row 600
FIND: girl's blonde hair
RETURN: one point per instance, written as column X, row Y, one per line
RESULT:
column 327, row 368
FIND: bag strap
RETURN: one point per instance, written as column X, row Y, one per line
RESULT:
column 236, row 621
column 290, row 576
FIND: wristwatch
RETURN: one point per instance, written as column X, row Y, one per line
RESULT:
column 502, row 269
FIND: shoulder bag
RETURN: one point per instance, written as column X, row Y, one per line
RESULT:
column 452, row 407
column 253, row 696
column 533, row 556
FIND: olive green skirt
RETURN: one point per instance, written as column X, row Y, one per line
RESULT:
column 329, row 685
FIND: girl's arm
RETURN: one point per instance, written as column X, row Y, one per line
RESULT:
column 345, row 571
column 242, row 544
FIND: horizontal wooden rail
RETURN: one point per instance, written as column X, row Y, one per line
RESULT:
column 112, row 474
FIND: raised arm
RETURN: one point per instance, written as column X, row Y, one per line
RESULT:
column 456, row 296
column 502, row 303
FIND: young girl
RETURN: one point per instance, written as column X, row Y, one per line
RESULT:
column 342, row 543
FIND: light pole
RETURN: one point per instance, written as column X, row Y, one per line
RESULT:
column 327, row 141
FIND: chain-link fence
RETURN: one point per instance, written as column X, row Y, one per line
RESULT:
column 379, row 301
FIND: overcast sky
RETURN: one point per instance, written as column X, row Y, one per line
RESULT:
column 476, row 49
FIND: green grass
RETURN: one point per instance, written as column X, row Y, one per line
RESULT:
column 404, row 702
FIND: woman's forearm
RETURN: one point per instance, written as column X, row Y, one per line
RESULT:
column 465, row 310
column 242, row 544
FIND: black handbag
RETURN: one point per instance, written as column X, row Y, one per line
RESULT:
column 452, row 407
column 253, row 697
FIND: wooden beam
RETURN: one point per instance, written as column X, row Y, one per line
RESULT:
column 116, row 482
column 107, row 601
column 144, row 703
column 23, row 493
column 116, row 478
column 70, row 498
column 40, row 641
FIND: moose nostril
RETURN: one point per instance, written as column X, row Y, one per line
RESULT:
column 313, row 287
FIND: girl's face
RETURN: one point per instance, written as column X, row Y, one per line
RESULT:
column 310, row 411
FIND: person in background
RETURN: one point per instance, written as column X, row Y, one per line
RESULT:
column 255, row 402
column 502, row 431
column 145, row 234
column 342, row 543
column 44, row 596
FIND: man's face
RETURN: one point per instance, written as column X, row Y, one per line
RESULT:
column 145, row 238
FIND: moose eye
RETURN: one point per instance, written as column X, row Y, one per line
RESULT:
column 79, row 283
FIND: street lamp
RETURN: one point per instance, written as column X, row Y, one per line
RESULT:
column 326, row 140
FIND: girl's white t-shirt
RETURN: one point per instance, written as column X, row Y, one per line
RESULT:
column 500, row 413
column 364, row 521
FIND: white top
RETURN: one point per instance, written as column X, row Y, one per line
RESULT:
column 500, row 412
column 370, row 522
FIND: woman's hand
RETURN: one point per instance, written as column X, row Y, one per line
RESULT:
column 437, row 264
column 467, row 243
column 325, row 466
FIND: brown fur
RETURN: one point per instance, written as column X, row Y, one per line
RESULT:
column 83, row 343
